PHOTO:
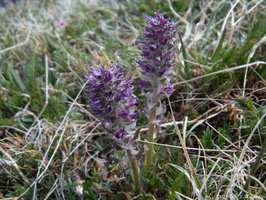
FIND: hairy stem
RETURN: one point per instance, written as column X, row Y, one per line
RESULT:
column 135, row 172
column 148, row 158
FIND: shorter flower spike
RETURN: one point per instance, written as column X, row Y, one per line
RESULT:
column 110, row 97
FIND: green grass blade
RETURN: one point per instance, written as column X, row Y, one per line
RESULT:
column 185, row 57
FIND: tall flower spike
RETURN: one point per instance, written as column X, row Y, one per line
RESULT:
column 110, row 97
column 158, row 54
column 156, row 66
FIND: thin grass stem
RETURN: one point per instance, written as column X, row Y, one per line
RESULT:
column 182, row 142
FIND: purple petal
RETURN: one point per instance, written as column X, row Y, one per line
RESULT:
column 144, row 84
column 146, row 67
column 150, row 36
column 153, row 47
column 164, row 41
column 160, row 32
column 118, row 98
column 106, row 124
column 161, row 18
column 151, row 20
column 95, row 72
column 109, row 109
column 161, row 71
column 120, row 134
column 169, row 89
column 133, row 116
column 131, row 102
column 124, row 114
column 129, row 92
column 145, row 54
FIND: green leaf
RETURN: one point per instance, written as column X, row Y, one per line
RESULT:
column 207, row 138
column 184, row 52
column 17, row 80
column 88, row 192
column 247, row 104
column 217, row 52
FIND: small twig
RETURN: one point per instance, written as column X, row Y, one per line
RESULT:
column 188, row 148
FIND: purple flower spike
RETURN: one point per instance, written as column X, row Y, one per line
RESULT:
column 157, row 58
column 111, row 98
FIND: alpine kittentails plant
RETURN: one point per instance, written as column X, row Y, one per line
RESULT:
column 111, row 99
column 156, row 66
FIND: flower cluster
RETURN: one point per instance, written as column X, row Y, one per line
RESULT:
column 157, row 55
column 110, row 95
column 110, row 91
